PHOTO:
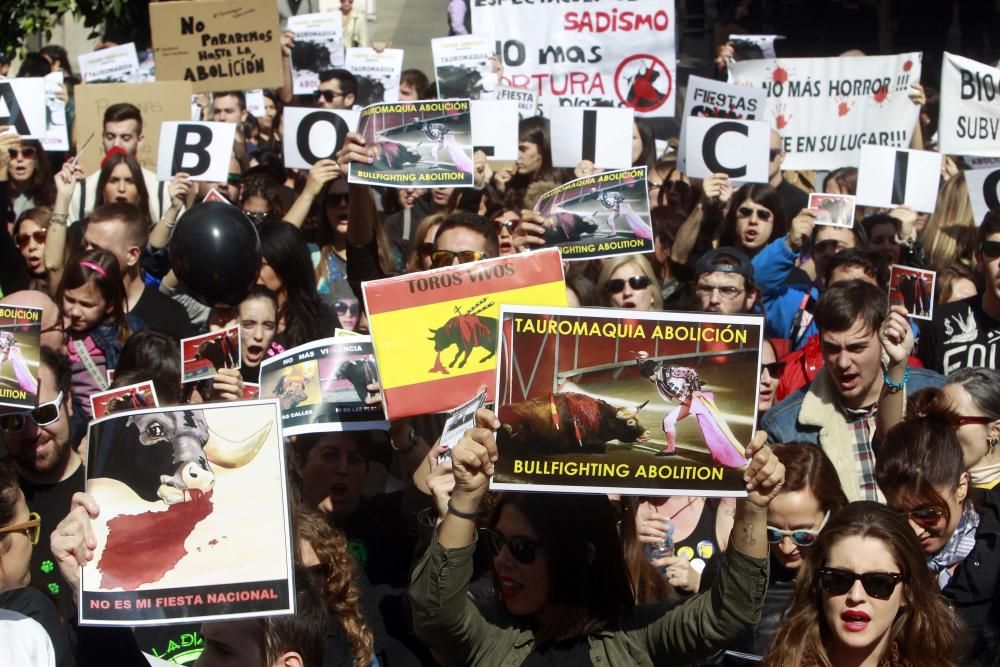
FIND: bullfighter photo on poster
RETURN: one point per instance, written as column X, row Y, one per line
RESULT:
column 194, row 521
column 913, row 289
column 203, row 356
column 632, row 402
column 20, row 336
column 599, row 216
column 326, row 385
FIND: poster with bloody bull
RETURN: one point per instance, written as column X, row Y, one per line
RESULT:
column 435, row 332
column 20, row 336
column 132, row 397
column 599, row 216
column 194, row 521
column 203, row 356
column 632, row 402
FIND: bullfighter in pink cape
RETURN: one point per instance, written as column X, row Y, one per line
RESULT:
column 683, row 384
column 10, row 351
column 615, row 203
column 440, row 136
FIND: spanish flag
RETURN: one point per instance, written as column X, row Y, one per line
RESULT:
column 435, row 332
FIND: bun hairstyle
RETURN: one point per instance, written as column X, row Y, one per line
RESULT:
column 922, row 453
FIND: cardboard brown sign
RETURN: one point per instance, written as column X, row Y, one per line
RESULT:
column 158, row 102
column 217, row 45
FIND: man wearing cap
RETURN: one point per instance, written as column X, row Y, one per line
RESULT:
column 724, row 282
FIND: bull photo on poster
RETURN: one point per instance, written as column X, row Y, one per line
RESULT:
column 648, row 403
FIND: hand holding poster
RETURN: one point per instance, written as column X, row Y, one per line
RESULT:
column 20, row 336
column 435, row 332
column 186, row 495
column 599, row 216
column 970, row 115
column 319, row 46
column 708, row 98
column 201, row 150
column 377, row 73
column 582, row 394
column 419, row 144
column 323, row 386
column 890, row 177
column 117, row 64
column 465, row 66
column 738, row 148
column 827, row 108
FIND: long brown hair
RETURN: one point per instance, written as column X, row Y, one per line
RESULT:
column 924, row 629
column 342, row 590
column 648, row 585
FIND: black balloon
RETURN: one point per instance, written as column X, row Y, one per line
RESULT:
column 215, row 253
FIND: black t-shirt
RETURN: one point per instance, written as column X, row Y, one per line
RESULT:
column 32, row 603
column 52, row 503
column 161, row 313
column 961, row 335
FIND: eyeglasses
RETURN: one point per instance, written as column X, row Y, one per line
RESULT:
column 43, row 415
column 32, row 528
column 330, row 95
column 234, row 179
column 762, row 213
column 774, row 369
column 830, row 245
column 509, row 225
column 962, row 421
column 925, row 517
column 616, row 285
column 801, row 537
column 879, row 585
column 343, row 307
column 425, row 249
column 990, row 249
column 523, row 549
column 26, row 151
column 441, row 258
column 39, row 236
column 727, row 291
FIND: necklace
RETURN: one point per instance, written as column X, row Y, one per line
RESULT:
column 672, row 516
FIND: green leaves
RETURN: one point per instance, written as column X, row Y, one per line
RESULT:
column 30, row 17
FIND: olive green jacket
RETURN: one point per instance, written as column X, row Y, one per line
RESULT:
column 460, row 632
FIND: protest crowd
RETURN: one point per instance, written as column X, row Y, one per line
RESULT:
column 310, row 359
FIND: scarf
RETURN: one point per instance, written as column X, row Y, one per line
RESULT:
column 959, row 546
column 985, row 476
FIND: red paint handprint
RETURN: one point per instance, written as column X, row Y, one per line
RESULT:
column 843, row 106
column 780, row 119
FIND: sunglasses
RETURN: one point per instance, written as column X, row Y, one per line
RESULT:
column 32, row 528
column 342, row 308
column 990, row 249
column 441, row 258
column 762, row 213
column 330, row 95
column 801, row 537
column 39, row 236
column 774, row 369
column 234, row 179
column 509, row 225
column 425, row 249
column 43, row 415
column 27, row 152
column 774, row 152
column 962, row 421
column 925, row 517
column 336, row 199
column 523, row 549
column 879, row 585
column 616, row 285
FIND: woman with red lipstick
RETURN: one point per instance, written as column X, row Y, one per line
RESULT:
column 864, row 598
column 505, row 221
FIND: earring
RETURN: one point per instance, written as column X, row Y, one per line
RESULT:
column 991, row 444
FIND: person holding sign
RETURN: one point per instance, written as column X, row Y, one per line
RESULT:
column 558, row 564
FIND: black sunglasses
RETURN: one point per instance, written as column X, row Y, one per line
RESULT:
column 509, row 225
column 39, row 236
column 616, row 285
column 342, row 308
column 425, row 249
column 990, row 249
column 329, row 95
column 27, row 151
column 441, row 258
column 774, row 369
column 879, row 585
column 523, row 549
column 925, row 517
column 762, row 213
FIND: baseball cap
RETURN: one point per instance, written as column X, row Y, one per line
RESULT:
column 727, row 260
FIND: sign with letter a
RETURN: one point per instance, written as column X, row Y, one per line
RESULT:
column 200, row 150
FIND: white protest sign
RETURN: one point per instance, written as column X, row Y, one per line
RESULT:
column 117, row 64
column 377, row 74
column 754, row 47
column 577, row 54
column 708, row 98
column 22, row 106
column 984, row 192
column 602, row 135
column 527, row 101
column 319, row 46
column 738, row 148
column 463, row 67
column 201, row 150
column 827, row 108
column 255, row 102
column 970, row 108
column 891, row 177
column 56, row 132
column 495, row 128
column 312, row 135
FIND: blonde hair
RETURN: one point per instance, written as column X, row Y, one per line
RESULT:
column 950, row 235
column 612, row 265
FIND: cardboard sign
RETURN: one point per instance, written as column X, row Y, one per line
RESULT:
column 186, row 494
column 462, row 67
column 159, row 102
column 582, row 394
column 708, row 98
column 599, row 216
column 527, row 100
column 319, row 47
column 984, row 192
column 20, row 336
column 133, row 397
column 203, row 356
column 22, row 106
column 834, row 210
column 970, row 115
column 420, row 144
column 377, row 74
column 323, row 386
column 312, row 135
column 56, row 132
column 217, row 45
column 495, row 128
column 914, row 290
column 825, row 109
column 202, row 150
column 601, row 135
column 117, row 64
column 890, row 177
column 435, row 331
column 575, row 54
column 738, row 148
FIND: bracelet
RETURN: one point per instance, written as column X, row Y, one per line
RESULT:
column 58, row 219
column 464, row 515
column 895, row 387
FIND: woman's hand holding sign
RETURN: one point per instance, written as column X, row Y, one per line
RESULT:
column 472, row 466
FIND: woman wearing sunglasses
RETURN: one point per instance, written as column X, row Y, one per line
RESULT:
column 560, row 575
column 974, row 394
column 30, row 233
column 629, row 282
column 755, row 218
column 922, row 471
column 28, row 176
column 864, row 599
column 770, row 376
